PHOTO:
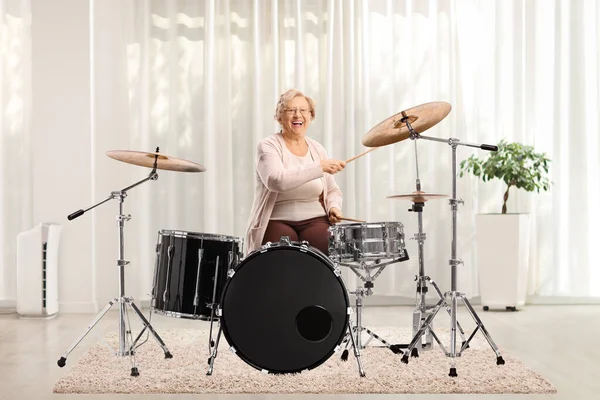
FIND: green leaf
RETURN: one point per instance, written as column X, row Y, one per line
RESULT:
column 514, row 163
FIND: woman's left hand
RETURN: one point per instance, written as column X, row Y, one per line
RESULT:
column 335, row 215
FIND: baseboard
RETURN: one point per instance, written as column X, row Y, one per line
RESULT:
column 563, row 300
column 379, row 300
column 8, row 306
column 383, row 301
column 84, row 307
column 141, row 304
column 144, row 304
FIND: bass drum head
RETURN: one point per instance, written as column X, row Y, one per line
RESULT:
column 285, row 310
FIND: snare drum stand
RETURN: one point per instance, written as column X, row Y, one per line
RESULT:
column 422, row 310
column 453, row 295
column 125, row 336
column 367, row 290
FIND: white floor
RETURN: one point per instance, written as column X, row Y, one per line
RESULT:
column 559, row 342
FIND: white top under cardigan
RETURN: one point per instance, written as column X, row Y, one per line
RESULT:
column 301, row 203
column 273, row 175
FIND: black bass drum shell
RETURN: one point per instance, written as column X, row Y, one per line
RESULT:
column 285, row 309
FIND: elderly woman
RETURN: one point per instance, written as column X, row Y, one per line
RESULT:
column 295, row 194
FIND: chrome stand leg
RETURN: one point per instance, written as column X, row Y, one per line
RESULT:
column 499, row 359
column 453, row 353
column 148, row 326
column 213, row 355
column 356, row 348
column 63, row 360
column 448, row 310
column 213, row 305
column 124, row 333
column 359, row 328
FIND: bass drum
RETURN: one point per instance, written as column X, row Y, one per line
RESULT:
column 285, row 309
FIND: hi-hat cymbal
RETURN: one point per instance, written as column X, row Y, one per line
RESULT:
column 147, row 160
column 393, row 129
column 418, row 197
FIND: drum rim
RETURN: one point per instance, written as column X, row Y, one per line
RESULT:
column 340, row 259
column 365, row 225
column 277, row 247
column 174, row 314
column 200, row 235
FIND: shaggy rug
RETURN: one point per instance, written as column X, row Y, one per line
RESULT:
column 100, row 372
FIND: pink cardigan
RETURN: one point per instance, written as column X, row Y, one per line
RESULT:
column 272, row 177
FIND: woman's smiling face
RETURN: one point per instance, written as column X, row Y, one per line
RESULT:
column 296, row 116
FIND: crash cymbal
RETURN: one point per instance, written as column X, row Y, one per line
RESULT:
column 147, row 160
column 392, row 129
column 418, row 197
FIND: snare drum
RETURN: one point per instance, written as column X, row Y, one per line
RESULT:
column 366, row 241
column 190, row 272
column 285, row 309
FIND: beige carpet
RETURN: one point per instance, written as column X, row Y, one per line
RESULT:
column 100, row 372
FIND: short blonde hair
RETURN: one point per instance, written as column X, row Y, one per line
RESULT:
column 287, row 96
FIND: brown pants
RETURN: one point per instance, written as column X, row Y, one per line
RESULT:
column 313, row 230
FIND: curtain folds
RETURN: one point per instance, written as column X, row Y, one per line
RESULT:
column 200, row 80
column 15, row 147
column 203, row 79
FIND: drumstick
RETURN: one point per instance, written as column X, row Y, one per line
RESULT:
column 351, row 219
column 361, row 154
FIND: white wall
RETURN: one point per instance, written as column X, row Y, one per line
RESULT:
column 111, row 132
column 76, row 118
column 61, row 140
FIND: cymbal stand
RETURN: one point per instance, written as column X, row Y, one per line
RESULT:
column 422, row 310
column 125, row 336
column 453, row 295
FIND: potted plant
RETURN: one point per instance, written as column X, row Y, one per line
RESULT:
column 503, row 239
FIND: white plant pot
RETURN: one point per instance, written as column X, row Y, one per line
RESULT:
column 502, row 259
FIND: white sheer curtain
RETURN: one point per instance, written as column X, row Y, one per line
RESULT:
column 529, row 72
column 201, row 79
column 15, row 157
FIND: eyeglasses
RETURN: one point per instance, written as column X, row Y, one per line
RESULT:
column 292, row 111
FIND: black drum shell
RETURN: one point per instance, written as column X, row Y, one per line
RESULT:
column 264, row 301
column 185, row 277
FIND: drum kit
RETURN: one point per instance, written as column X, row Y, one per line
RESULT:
column 284, row 307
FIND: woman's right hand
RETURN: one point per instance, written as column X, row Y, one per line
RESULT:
column 332, row 166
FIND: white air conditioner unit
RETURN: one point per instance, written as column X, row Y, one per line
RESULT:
column 37, row 271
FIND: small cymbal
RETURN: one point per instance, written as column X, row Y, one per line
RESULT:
column 147, row 160
column 392, row 129
column 418, row 197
